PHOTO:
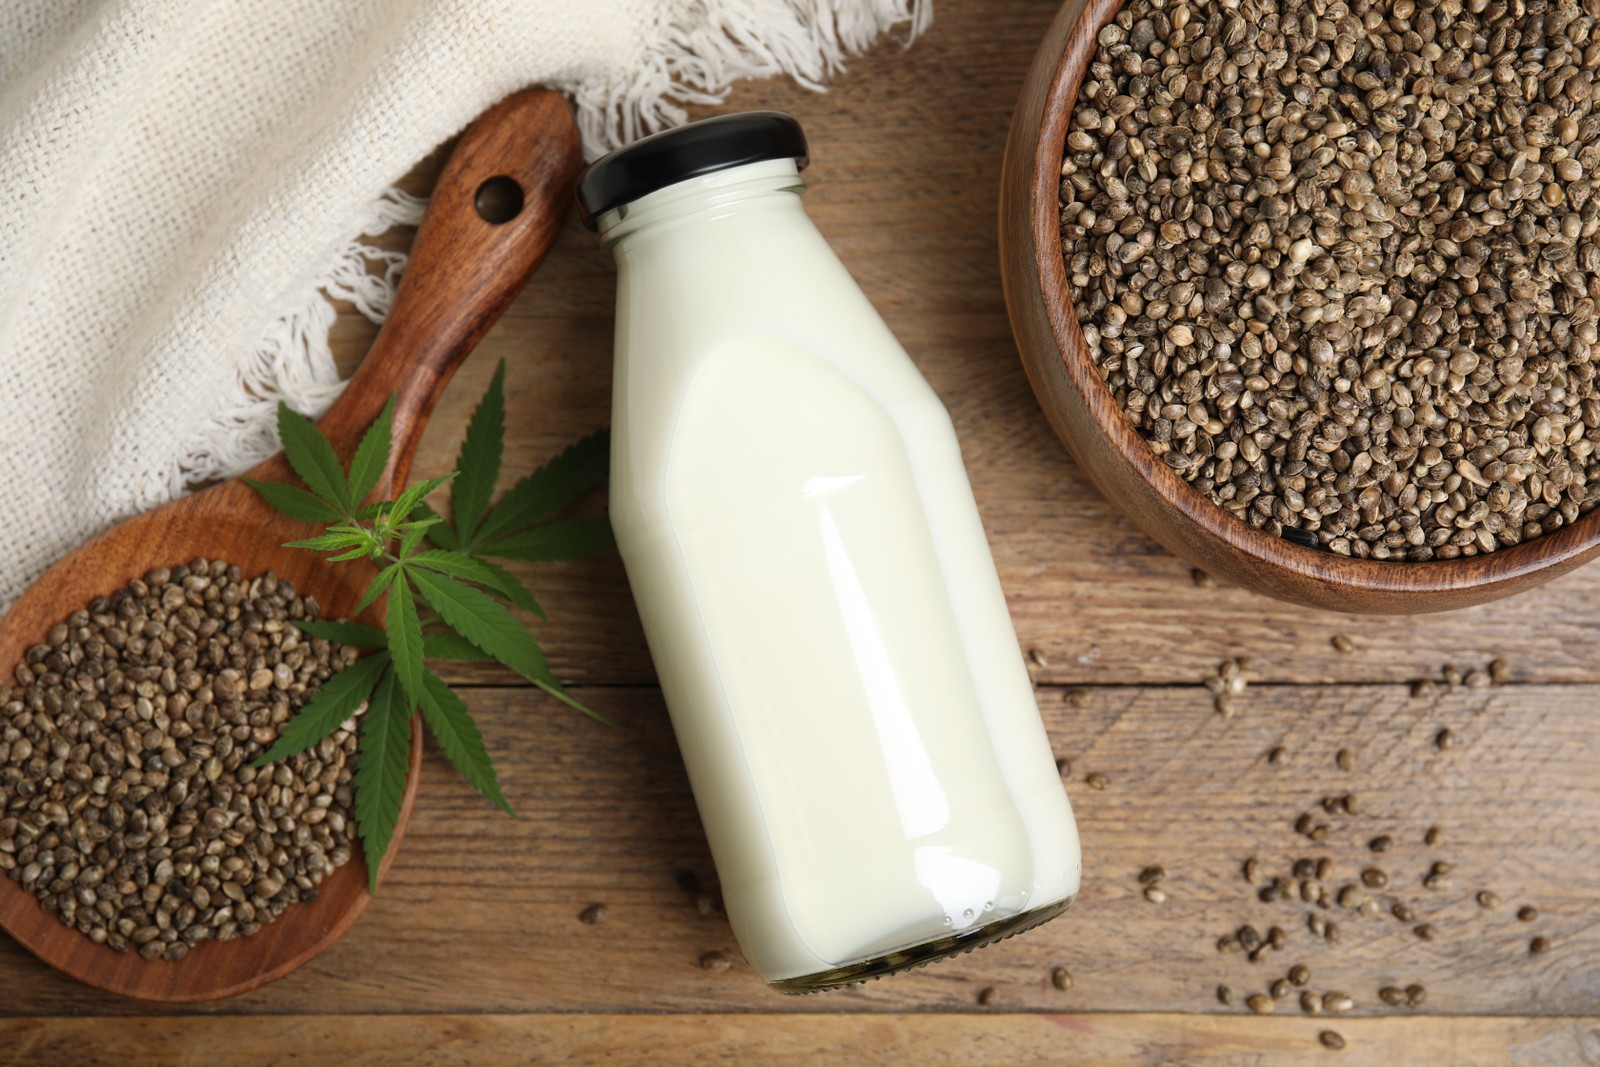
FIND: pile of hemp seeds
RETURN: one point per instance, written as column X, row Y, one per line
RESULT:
column 1339, row 262
column 128, row 804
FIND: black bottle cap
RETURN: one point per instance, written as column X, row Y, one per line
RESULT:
column 672, row 156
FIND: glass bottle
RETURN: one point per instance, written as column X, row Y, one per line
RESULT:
column 813, row 578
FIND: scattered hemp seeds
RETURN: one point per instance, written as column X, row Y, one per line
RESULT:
column 1497, row 673
column 1338, row 870
column 131, row 810
column 1340, row 266
column 593, row 915
column 716, row 960
column 1061, row 978
column 705, row 903
column 1225, row 683
column 1331, row 1039
column 1151, row 878
column 1412, row 996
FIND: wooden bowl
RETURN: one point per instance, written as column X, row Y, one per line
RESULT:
column 1104, row 441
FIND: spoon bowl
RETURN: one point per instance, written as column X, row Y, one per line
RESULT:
column 467, row 263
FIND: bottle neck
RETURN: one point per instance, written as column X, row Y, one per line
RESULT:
column 704, row 198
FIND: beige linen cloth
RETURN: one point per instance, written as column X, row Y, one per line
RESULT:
column 183, row 183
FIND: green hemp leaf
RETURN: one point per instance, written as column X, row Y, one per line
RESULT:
column 446, row 599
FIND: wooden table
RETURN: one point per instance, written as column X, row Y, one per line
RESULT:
column 474, row 954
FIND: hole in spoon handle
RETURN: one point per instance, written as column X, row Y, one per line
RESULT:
column 498, row 200
column 515, row 168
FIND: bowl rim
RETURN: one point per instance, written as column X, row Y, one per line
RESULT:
column 1544, row 556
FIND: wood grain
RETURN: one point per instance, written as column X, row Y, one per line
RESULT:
column 989, row 1040
column 464, row 273
column 480, row 912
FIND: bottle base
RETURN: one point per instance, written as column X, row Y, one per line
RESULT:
column 918, row 955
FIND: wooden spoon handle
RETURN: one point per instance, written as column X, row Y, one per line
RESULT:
column 494, row 213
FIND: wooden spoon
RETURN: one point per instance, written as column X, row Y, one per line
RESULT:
column 516, row 165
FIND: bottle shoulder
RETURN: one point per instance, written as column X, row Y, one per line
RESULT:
column 766, row 387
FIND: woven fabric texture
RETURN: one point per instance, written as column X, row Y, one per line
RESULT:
column 184, row 183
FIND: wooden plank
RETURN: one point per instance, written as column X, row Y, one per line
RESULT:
column 905, row 179
column 1125, row 1040
column 480, row 912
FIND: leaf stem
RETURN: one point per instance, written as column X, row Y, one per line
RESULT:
column 561, row 695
